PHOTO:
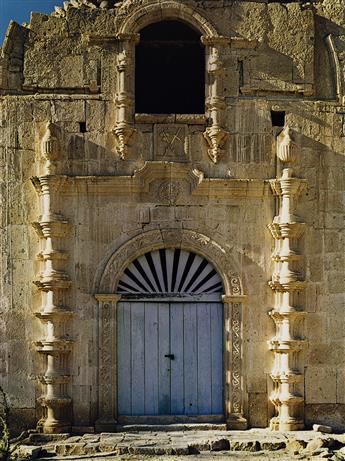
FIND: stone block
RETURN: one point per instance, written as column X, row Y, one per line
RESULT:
column 29, row 451
column 295, row 446
column 70, row 111
column 258, row 409
column 244, row 445
column 107, row 446
column 161, row 213
column 220, row 445
column 320, row 385
column 180, row 450
column 326, row 414
column 325, row 354
column 336, row 281
column 272, row 445
column 95, row 115
column 321, row 428
column 340, row 382
column 71, row 71
column 75, row 449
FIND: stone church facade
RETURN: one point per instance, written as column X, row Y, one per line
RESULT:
column 172, row 215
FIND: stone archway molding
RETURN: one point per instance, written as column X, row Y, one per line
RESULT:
column 233, row 299
column 139, row 16
column 222, row 259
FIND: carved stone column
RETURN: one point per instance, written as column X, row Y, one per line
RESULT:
column 215, row 134
column 233, row 332
column 107, row 358
column 53, row 283
column 124, row 128
column 287, row 284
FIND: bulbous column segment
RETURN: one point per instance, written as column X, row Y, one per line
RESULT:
column 49, row 149
column 124, row 128
column 287, row 283
column 215, row 135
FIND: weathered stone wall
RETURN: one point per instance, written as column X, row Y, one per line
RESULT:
column 68, row 77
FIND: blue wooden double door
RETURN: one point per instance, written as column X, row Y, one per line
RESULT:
column 170, row 358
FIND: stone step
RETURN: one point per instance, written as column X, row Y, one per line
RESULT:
column 171, row 427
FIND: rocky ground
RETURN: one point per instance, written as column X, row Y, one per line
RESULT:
column 185, row 444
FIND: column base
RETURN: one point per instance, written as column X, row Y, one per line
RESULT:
column 236, row 422
column 56, row 427
column 285, row 426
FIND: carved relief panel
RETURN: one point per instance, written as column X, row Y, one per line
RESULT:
column 171, row 142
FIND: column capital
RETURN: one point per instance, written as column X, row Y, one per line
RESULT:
column 215, row 40
column 107, row 298
column 126, row 37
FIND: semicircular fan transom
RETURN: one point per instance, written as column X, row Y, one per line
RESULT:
column 170, row 271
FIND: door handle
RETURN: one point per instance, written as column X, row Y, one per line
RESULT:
column 170, row 356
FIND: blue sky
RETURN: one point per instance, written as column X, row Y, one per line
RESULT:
column 19, row 11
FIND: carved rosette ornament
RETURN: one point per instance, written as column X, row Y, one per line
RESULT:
column 287, row 285
column 215, row 135
column 53, row 284
column 124, row 99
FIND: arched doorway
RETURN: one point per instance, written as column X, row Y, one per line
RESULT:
column 170, row 338
column 110, row 293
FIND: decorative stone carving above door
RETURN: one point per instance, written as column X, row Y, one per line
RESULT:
column 171, row 142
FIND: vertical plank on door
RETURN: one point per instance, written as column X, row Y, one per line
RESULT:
column 217, row 357
column 151, row 359
column 124, row 358
column 176, row 348
column 190, row 359
column 138, row 369
column 204, row 359
column 164, row 363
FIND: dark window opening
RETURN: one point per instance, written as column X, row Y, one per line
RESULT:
column 82, row 127
column 170, row 70
column 278, row 118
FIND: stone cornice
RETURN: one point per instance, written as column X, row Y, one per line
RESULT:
column 153, row 172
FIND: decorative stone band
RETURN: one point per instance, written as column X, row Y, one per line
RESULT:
column 107, row 374
column 234, row 358
column 141, row 183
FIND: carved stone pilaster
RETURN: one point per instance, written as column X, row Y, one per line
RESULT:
column 124, row 128
column 49, row 150
column 107, row 385
column 287, row 282
column 215, row 135
column 234, row 395
column 54, row 283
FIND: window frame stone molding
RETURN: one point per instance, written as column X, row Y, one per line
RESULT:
column 128, row 36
